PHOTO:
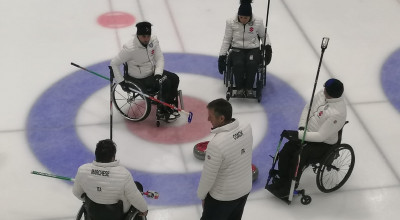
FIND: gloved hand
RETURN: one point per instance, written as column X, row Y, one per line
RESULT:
column 290, row 135
column 124, row 86
column 221, row 64
column 267, row 49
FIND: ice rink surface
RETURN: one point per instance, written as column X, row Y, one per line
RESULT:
column 53, row 114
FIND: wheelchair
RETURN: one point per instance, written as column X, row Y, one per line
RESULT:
column 260, row 80
column 136, row 106
column 94, row 211
column 332, row 170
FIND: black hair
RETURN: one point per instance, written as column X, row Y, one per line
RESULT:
column 221, row 107
column 105, row 151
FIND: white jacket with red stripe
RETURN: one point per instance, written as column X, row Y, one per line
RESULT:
column 142, row 61
column 242, row 36
column 327, row 117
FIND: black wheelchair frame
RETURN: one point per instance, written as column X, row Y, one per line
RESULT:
column 229, row 81
column 115, row 209
column 332, row 170
column 135, row 106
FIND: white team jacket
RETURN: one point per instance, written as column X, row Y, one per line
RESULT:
column 243, row 36
column 327, row 117
column 106, row 183
column 227, row 171
column 142, row 61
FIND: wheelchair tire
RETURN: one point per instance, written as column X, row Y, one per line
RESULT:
column 305, row 200
column 336, row 168
column 134, row 216
column 132, row 106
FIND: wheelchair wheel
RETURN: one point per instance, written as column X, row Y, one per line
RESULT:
column 134, row 215
column 132, row 106
column 336, row 168
column 81, row 214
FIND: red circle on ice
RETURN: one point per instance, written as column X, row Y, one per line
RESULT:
column 174, row 132
column 116, row 19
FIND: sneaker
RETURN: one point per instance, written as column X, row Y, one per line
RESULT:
column 176, row 114
column 240, row 93
column 172, row 117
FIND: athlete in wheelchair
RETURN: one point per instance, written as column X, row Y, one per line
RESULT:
column 242, row 58
column 144, row 72
column 108, row 189
column 332, row 161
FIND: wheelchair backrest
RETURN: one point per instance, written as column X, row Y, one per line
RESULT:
column 97, row 211
column 125, row 69
column 340, row 134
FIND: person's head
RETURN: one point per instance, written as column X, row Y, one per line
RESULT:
column 105, row 151
column 143, row 32
column 333, row 88
column 245, row 11
column 219, row 112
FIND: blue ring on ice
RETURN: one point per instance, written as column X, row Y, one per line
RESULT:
column 54, row 140
column 390, row 78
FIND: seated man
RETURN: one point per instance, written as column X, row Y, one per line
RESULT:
column 145, row 63
column 327, row 117
column 242, row 34
column 104, row 181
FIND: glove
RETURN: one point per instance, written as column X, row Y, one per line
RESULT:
column 290, row 135
column 301, row 129
column 124, row 86
column 268, row 53
column 221, row 64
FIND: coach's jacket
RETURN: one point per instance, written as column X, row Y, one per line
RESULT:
column 327, row 117
column 227, row 173
column 243, row 36
column 106, row 183
column 142, row 61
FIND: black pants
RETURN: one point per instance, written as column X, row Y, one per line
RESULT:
column 244, row 66
column 288, row 158
column 169, row 92
column 223, row 210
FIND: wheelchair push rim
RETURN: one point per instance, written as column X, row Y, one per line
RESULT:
column 336, row 169
column 131, row 105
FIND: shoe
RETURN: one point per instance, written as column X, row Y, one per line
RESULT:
column 176, row 114
column 240, row 93
column 282, row 192
column 249, row 93
column 274, row 186
column 172, row 117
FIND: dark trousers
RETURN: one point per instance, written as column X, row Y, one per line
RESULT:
column 169, row 92
column 223, row 210
column 288, row 158
column 244, row 66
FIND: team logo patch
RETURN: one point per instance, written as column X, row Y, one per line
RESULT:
column 150, row 44
column 152, row 51
column 320, row 113
column 251, row 29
